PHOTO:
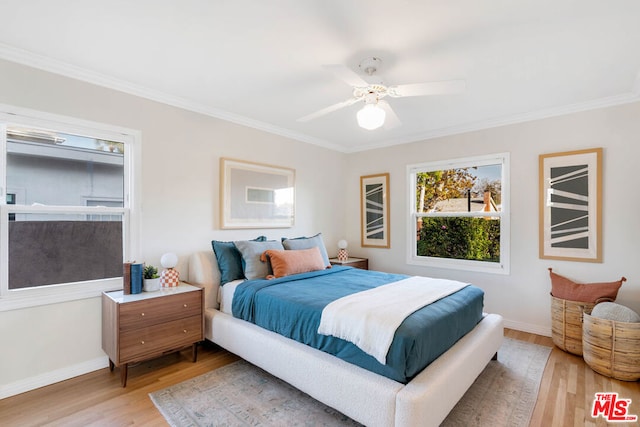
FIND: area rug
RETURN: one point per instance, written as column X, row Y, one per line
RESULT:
column 240, row 394
column 505, row 393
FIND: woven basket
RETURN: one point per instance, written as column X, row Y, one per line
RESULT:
column 566, row 323
column 612, row 348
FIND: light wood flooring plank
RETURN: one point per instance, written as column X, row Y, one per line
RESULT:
column 566, row 392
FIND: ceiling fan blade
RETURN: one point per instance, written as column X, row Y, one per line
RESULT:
column 391, row 119
column 328, row 110
column 429, row 88
column 345, row 74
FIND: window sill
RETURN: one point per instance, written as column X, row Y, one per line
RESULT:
column 460, row 264
column 56, row 294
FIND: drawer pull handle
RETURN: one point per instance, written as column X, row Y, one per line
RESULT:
column 185, row 331
column 142, row 314
column 141, row 342
column 185, row 306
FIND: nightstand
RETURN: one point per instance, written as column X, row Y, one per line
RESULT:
column 150, row 324
column 361, row 263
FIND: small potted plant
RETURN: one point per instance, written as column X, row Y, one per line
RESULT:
column 151, row 279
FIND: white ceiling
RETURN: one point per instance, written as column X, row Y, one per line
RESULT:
column 259, row 63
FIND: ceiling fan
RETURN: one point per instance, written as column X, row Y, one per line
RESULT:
column 376, row 111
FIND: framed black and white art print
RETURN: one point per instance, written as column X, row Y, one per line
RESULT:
column 374, row 210
column 571, row 205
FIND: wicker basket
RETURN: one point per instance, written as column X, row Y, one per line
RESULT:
column 612, row 348
column 566, row 323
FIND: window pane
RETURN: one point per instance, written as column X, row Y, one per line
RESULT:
column 459, row 238
column 45, row 249
column 469, row 189
column 51, row 168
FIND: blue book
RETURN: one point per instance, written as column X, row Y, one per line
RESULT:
column 136, row 278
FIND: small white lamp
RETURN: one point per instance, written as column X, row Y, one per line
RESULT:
column 343, row 255
column 170, row 277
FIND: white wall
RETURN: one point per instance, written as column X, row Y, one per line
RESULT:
column 180, row 207
column 523, row 296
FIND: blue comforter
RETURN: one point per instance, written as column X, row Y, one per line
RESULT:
column 292, row 306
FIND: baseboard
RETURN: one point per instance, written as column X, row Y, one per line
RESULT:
column 527, row 327
column 52, row 377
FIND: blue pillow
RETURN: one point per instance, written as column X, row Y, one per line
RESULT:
column 230, row 260
column 308, row 243
column 254, row 268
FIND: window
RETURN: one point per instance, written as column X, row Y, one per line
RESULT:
column 459, row 214
column 68, row 219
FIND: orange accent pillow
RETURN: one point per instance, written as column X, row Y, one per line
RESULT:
column 564, row 288
column 288, row 262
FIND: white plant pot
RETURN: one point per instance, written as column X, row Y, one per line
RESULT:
column 151, row 285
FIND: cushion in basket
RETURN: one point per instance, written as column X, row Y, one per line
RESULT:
column 565, row 288
column 286, row 263
column 615, row 312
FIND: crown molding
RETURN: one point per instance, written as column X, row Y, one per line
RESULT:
column 45, row 63
column 625, row 98
column 55, row 66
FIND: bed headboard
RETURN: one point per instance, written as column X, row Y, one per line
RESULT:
column 204, row 272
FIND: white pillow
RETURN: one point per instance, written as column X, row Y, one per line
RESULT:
column 615, row 312
column 251, row 250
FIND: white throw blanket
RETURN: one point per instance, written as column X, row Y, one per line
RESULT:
column 369, row 319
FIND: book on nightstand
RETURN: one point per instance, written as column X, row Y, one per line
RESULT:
column 136, row 278
column 126, row 278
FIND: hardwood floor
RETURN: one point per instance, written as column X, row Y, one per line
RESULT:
column 568, row 388
column 97, row 399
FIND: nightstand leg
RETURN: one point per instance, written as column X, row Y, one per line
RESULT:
column 123, row 374
column 111, row 365
column 194, row 352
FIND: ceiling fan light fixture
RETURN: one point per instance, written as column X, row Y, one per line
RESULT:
column 371, row 117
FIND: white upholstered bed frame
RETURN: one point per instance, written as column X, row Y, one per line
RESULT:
column 366, row 397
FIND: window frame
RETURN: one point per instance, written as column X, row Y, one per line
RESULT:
column 57, row 293
column 502, row 267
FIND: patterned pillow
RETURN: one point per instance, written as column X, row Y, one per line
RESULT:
column 253, row 267
column 288, row 262
column 306, row 243
column 564, row 288
column 230, row 260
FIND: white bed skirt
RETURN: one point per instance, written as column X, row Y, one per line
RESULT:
column 366, row 397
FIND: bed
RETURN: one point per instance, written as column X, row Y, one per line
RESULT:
column 367, row 397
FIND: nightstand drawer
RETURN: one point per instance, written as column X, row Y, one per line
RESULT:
column 361, row 263
column 139, row 343
column 158, row 310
